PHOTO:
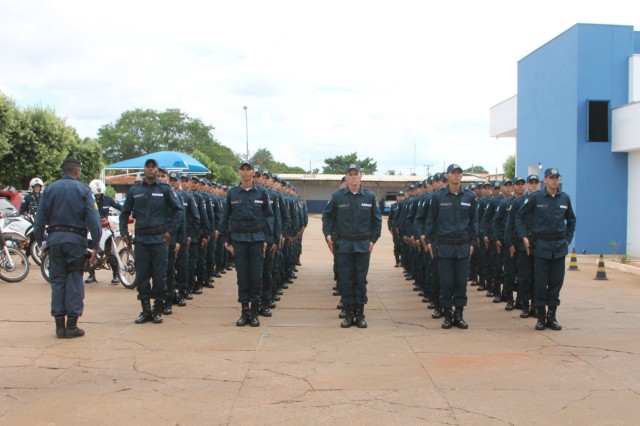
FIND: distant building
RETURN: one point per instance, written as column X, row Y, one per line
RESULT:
column 578, row 109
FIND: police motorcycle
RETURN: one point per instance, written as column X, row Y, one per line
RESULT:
column 19, row 234
column 14, row 266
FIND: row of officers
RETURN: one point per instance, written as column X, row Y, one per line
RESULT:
column 507, row 237
column 187, row 231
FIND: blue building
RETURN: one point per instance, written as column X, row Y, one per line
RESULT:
column 578, row 109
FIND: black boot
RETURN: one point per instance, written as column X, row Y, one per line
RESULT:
column 156, row 313
column 541, row 313
column 340, row 305
column 458, row 321
column 91, row 278
column 264, row 309
column 509, row 305
column 349, row 320
column 245, row 317
column 254, row 321
column 272, row 304
column 180, row 299
column 343, row 313
column 72, row 329
column 552, row 322
column 525, row 309
column 145, row 315
column 115, row 279
column 360, row 322
column 167, row 307
column 437, row 313
column 448, row 318
column 60, row 327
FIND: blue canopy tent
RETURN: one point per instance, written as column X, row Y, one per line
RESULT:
column 170, row 160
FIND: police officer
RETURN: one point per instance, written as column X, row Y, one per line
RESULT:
column 392, row 225
column 189, row 252
column 30, row 202
column 177, row 240
column 68, row 209
column 547, row 236
column 104, row 203
column 450, row 230
column 157, row 214
column 353, row 215
column 247, row 221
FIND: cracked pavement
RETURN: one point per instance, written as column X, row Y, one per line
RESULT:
column 300, row 367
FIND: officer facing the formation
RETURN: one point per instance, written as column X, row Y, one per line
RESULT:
column 30, row 202
column 353, row 216
column 246, row 221
column 104, row 203
column 157, row 214
column 68, row 209
column 546, row 224
column 450, row 230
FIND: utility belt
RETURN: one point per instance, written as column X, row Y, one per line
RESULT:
column 453, row 241
column 550, row 237
column 249, row 230
column 355, row 237
column 65, row 228
column 151, row 231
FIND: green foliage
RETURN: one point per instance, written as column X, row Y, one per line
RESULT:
column 110, row 191
column 625, row 258
column 476, row 169
column 509, row 167
column 391, row 172
column 263, row 158
column 89, row 152
column 338, row 164
column 614, row 247
column 8, row 118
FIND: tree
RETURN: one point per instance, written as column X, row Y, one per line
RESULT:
column 509, row 167
column 263, row 158
column 476, row 169
column 8, row 115
column 391, row 172
column 89, row 152
column 338, row 164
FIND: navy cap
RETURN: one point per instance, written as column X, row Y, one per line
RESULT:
column 162, row 169
column 551, row 172
column 353, row 167
column 411, row 188
column 533, row 177
column 400, row 193
column 507, row 182
column 495, row 185
column 454, row 167
column 246, row 163
column 150, row 161
column 259, row 171
column 343, row 179
column 196, row 178
column 472, row 186
column 437, row 177
column 70, row 161
column 175, row 175
column 185, row 176
column 267, row 173
column 519, row 179
column 486, row 184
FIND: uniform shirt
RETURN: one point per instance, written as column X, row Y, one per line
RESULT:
column 452, row 217
column 68, row 202
column 192, row 216
column 30, row 203
column 500, row 218
column 104, row 203
column 154, row 206
column 486, row 224
column 543, row 215
column 510, row 236
column 275, row 199
column 349, row 215
column 247, row 215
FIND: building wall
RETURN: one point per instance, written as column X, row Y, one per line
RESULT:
column 554, row 84
column 633, row 220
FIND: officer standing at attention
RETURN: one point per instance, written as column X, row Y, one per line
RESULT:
column 392, row 225
column 450, row 230
column 547, row 237
column 157, row 214
column 69, row 210
column 247, row 220
column 352, row 214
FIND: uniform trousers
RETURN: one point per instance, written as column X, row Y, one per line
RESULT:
column 66, row 262
column 352, row 270
column 248, row 260
column 453, row 281
column 151, row 263
column 548, row 280
column 525, row 276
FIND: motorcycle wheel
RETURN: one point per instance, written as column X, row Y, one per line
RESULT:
column 14, row 269
column 35, row 252
column 44, row 267
column 127, row 273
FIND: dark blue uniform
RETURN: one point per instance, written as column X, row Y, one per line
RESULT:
column 105, row 203
column 68, row 209
column 524, row 261
column 156, row 210
column 30, row 203
column 451, row 228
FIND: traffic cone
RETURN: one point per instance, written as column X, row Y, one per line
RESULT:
column 573, row 262
column 602, row 273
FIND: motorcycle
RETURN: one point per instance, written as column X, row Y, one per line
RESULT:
column 14, row 266
column 124, row 258
column 19, row 234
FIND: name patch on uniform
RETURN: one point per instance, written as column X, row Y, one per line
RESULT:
column 343, row 205
column 446, row 204
column 157, row 194
column 259, row 202
column 564, row 207
column 542, row 205
column 138, row 195
column 235, row 201
column 466, row 204
column 366, row 205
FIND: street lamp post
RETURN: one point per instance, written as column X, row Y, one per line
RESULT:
column 246, row 127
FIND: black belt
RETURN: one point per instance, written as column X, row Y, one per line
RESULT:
column 151, row 231
column 64, row 228
column 453, row 241
column 550, row 237
column 250, row 230
column 355, row 237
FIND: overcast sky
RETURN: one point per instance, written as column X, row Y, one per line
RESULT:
column 320, row 79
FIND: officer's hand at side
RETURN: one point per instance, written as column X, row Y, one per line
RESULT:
column 527, row 247
column 167, row 238
column 229, row 248
column 94, row 254
column 188, row 241
column 470, row 250
column 177, row 249
column 371, row 247
column 512, row 251
column 498, row 247
column 430, row 250
column 330, row 243
column 264, row 249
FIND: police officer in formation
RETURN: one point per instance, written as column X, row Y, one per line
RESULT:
column 157, row 214
column 353, row 218
column 68, row 209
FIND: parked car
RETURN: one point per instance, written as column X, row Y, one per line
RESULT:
column 14, row 197
column 7, row 208
column 388, row 201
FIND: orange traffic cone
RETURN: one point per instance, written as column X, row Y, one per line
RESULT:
column 573, row 262
column 602, row 273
